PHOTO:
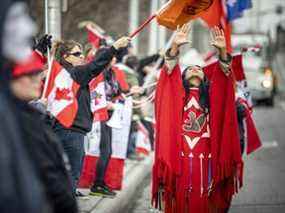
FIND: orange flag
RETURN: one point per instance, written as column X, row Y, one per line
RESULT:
column 179, row 12
column 214, row 14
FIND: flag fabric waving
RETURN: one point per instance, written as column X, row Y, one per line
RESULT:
column 98, row 98
column 61, row 95
column 236, row 8
column 176, row 13
column 216, row 15
column 243, row 96
column 179, row 12
column 222, row 13
column 115, row 171
column 62, row 92
column 94, row 35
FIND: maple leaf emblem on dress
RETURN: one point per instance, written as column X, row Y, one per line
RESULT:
column 62, row 94
column 193, row 123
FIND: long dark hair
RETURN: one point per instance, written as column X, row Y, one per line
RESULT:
column 204, row 100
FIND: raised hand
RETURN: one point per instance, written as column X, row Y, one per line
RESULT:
column 218, row 38
column 181, row 35
column 122, row 42
column 219, row 41
column 180, row 38
column 43, row 44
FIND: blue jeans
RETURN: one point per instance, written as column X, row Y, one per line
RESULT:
column 73, row 145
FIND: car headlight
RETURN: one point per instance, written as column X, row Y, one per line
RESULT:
column 266, row 83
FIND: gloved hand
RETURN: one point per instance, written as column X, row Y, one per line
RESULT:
column 43, row 44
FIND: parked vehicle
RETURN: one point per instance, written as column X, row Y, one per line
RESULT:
column 257, row 63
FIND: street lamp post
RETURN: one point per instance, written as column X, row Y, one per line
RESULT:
column 134, row 21
column 153, row 35
column 53, row 18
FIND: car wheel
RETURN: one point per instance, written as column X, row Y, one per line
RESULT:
column 270, row 101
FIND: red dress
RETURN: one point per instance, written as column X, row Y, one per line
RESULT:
column 194, row 183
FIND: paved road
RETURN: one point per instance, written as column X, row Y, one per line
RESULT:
column 265, row 170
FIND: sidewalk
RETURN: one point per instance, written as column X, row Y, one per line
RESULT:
column 134, row 174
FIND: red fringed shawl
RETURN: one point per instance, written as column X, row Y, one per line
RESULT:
column 225, row 147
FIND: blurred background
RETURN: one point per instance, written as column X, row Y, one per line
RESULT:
column 261, row 28
column 263, row 24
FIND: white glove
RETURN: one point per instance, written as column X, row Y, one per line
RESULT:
column 122, row 42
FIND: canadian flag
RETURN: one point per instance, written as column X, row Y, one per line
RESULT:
column 242, row 90
column 115, row 171
column 61, row 95
column 98, row 98
column 142, row 140
column 244, row 97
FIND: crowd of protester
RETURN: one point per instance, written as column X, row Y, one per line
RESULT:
column 41, row 159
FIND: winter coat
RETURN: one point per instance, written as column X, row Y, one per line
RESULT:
column 48, row 157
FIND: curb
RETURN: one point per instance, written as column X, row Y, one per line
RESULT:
column 131, row 182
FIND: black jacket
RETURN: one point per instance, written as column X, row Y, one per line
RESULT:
column 48, row 157
column 20, row 185
column 145, row 62
column 83, row 75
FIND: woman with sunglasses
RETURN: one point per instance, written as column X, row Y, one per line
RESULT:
column 69, row 55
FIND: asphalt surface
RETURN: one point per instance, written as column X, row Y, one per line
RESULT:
column 264, row 189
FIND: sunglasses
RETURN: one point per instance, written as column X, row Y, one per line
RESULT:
column 76, row 54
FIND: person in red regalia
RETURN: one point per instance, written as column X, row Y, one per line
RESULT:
column 198, row 164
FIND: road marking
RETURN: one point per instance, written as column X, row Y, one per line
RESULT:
column 282, row 104
column 269, row 144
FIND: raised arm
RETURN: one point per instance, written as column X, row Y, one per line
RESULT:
column 180, row 38
column 85, row 73
column 219, row 42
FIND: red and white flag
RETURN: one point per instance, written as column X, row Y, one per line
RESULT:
column 98, row 98
column 115, row 170
column 242, row 90
column 142, row 140
column 94, row 34
column 61, row 95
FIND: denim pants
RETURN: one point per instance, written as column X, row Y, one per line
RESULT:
column 73, row 145
column 105, row 153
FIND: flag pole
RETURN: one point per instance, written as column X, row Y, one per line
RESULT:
column 49, row 60
column 47, row 77
column 142, row 26
column 47, row 29
column 149, row 19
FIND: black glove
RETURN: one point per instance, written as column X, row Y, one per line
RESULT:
column 43, row 44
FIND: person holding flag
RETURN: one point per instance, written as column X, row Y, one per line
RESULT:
column 198, row 164
column 69, row 99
